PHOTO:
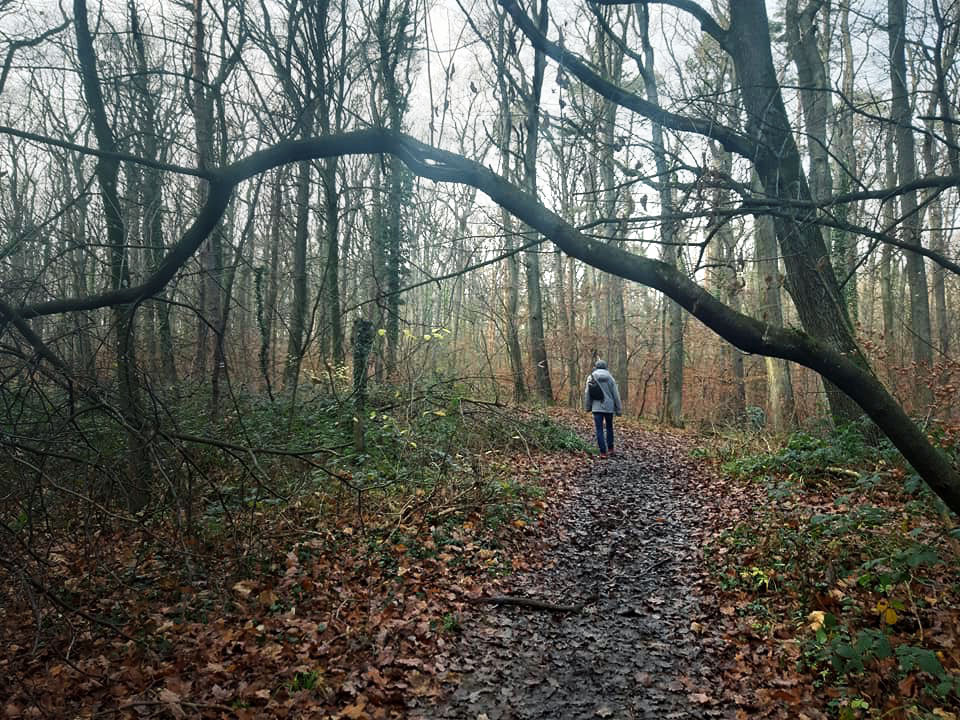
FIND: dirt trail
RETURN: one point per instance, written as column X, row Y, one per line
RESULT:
column 627, row 535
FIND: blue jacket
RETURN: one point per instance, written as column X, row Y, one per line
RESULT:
column 611, row 395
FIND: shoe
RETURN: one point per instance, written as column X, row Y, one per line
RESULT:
column 610, row 451
column 603, row 455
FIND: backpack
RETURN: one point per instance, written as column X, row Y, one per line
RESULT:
column 594, row 389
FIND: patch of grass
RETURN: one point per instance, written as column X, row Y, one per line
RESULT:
column 305, row 681
column 449, row 624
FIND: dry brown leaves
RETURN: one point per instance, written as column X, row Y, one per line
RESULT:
column 331, row 621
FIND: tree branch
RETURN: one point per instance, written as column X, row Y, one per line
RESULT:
column 748, row 334
column 95, row 152
column 707, row 23
column 209, row 215
column 20, row 44
column 730, row 139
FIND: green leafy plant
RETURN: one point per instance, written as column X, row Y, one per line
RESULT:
column 305, row 681
column 450, row 623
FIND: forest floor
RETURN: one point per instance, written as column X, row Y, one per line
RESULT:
column 677, row 591
column 624, row 547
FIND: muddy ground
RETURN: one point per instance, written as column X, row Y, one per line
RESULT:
column 625, row 546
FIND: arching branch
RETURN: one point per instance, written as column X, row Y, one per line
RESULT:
column 730, row 139
column 745, row 332
column 707, row 22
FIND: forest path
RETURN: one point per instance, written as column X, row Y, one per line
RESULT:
column 626, row 543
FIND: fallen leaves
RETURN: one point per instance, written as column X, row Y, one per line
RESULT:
column 355, row 711
column 340, row 620
column 356, row 621
column 244, row 588
column 805, row 587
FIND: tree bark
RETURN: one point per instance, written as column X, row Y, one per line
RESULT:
column 505, row 127
column 815, row 91
column 938, row 242
column 538, row 346
column 781, row 408
column 668, row 236
column 887, row 269
column 298, row 310
column 728, row 288
column 107, row 170
column 152, row 217
column 393, row 42
column 920, row 332
column 267, row 297
column 611, row 68
column 332, row 268
column 843, row 241
column 810, row 277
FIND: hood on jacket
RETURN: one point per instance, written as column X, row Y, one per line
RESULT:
column 602, row 375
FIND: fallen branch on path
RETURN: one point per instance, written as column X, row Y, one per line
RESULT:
column 842, row 471
column 655, row 565
column 532, row 603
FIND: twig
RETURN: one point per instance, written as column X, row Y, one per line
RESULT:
column 842, row 471
column 656, row 565
column 532, row 603
column 913, row 606
column 152, row 703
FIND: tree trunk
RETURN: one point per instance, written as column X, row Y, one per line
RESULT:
column 781, row 408
column 107, row 170
column 615, row 336
column 920, row 332
column 332, row 269
column 728, row 285
column 565, row 310
column 298, row 311
column 362, row 345
column 810, row 278
column 815, row 91
column 538, row 346
column 844, row 242
column 201, row 105
column 394, row 258
column 668, row 236
column 393, row 29
column 938, row 243
column 229, row 277
column 887, row 259
column 513, row 262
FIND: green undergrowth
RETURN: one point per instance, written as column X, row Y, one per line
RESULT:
column 443, row 454
column 443, row 480
column 842, row 558
column 415, row 449
column 272, row 541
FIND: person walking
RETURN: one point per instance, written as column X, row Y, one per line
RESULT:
column 602, row 398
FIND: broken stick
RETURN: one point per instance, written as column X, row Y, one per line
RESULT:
column 531, row 603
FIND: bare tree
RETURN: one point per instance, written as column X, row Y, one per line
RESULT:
column 906, row 173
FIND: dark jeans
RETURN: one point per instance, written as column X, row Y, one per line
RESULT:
column 598, row 419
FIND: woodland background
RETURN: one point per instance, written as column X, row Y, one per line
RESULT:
column 303, row 250
column 262, row 250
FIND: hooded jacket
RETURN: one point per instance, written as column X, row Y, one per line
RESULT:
column 611, row 395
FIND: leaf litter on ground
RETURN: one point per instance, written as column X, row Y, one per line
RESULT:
column 717, row 595
column 830, row 584
column 328, row 612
